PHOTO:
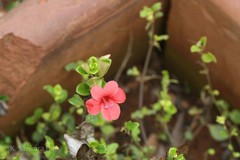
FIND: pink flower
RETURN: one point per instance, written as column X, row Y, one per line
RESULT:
column 106, row 100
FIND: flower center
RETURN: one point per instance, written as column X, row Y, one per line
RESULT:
column 107, row 104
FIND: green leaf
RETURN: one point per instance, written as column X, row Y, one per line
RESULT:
column 95, row 81
column 104, row 65
column 235, row 116
column 112, row 148
column 81, row 70
column 83, row 89
column 221, row 119
column 49, row 142
column 93, row 144
column 58, row 93
column 4, row 152
column 158, row 14
column 156, row 6
column 70, row 66
column 35, row 117
column 55, row 112
column 208, row 58
column 101, row 149
column 4, row 98
column 131, row 125
column 12, row 5
column 133, row 71
column 218, row 132
column 202, row 42
column 211, row 151
column 95, row 120
column 160, row 37
column 172, row 153
column 236, row 154
column 195, row 49
column 107, row 130
column 76, row 100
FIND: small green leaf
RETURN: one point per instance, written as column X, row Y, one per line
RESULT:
column 218, row 132
column 160, row 37
column 208, row 58
column 81, row 70
column 131, row 125
column 76, row 100
column 107, row 130
column 211, row 151
column 172, row 153
column 93, row 65
column 235, row 116
column 55, row 112
column 158, row 14
column 221, row 119
column 49, row 142
column 236, row 154
column 101, row 149
column 133, row 71
column 112, row 148
column 83, row 89
column 156, row 6
column 12, row 5
column 195, row 49
column 70, row 66
column 4, row 98
column 104, row 65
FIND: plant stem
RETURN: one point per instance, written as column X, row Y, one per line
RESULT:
column 141, row 89
column 126, row 58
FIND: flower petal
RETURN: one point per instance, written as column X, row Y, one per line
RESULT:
column 111, row 113
column 119, row 97
column 97, row 92
column 110, row 88
column 93, row 106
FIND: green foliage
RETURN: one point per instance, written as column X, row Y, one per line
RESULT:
column 76, row 100
column 73, row 65
column 235, row 116
column 12, row 5
column 58, row 93
column 95, row 120
column 4, row 98
column 111, row 153
column 53, row 114
column 173, row 155
column 83, row 89
column 133, row 71
column 35, row 117
column 133, row 129
column 150, row 13
column 211, row 151
column 97, row 67
column 208, row 58
column 199, row 46
column 218, row 132
column 98, row 147
column 51, row 153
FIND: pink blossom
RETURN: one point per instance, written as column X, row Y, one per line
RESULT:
column 106, row 100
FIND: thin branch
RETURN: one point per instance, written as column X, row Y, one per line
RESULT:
column 141, row 89
column 126, row 58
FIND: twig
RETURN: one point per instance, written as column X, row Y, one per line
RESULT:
column 141, row 89
column 126, row 58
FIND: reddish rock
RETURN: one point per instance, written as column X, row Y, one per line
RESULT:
column 219, row 20
column 39, row 38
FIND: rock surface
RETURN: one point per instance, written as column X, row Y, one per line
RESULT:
column 39, row 38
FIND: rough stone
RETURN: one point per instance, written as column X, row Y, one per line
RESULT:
column 39, row 38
